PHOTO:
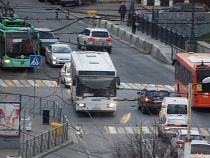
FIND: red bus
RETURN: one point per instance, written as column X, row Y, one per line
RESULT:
column 192, row 68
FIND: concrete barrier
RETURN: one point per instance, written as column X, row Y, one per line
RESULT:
column 108, row 26
column 147, row 47
column 134, row 40
column 115, row 31
column 128, row 37
column 121, row 34
column 203, row 47
column 156, row 52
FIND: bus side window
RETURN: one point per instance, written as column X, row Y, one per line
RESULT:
column 2, row 46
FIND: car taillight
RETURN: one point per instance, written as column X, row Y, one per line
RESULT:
column 146, row 99
column 91, row 39
column 166, row 127
column 109, row 39
column 177, row 124
column 179, row 142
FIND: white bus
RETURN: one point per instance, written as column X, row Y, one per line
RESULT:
column 95, row 81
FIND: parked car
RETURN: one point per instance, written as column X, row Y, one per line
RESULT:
column 46, row 37
column 169, row 126
column 179, row 138
column 187, row 7
column 58, row 54
column 95, row 39
column 199, row 149
column 151, row 98
column 65, row 74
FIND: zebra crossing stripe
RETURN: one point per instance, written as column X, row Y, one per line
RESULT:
column 204, row 131
column 48, row 83
column 121, row 130
column 146, row 130
column 137, row 130
column 133, row 86
column 145, row 85
column 125, row 85
column 170, row 87
column 112, row 130
column 31, row 82
column 54, row 83
column 9, row 83
column 154, row 130
column 40, row 83
column 25, row 83
column 139, row 85
column 2, row 83
column 106, row 129
column 129, row 130
column 17, row 83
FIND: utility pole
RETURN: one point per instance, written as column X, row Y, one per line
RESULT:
column 187, row 149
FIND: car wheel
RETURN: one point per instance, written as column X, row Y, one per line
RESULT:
column 65, row 85
column 78, row 45
column 85, row 47
column 109, row 50
column 79, row 2
column 46, row 60
column 144, row 110
column 139, row 107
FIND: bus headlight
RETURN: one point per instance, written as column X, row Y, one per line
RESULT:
column 111, row 105
column 82, row 104
column 7, row 61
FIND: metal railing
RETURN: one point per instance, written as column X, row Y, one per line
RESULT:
column 45, row 141
column 161, row 33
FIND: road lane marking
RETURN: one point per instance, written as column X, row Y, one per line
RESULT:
column 204, row 131
column 25, row 83
column 129, row 130
column 133, row 86
column 31, row 82
column 146, row 130
column 137, row 130
column 17, row 83
column 40, row 83
column 121, row 130
column 48, row 83
column 112, row 130
column 2, row 83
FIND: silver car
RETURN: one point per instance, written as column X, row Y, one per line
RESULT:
column 169, row 126
column 95, row 39
column 65, row 74
column 58, row 54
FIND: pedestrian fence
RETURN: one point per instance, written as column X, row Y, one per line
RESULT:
column 35, row 105
column 45, row 141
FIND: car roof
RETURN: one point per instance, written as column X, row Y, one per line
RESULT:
column 97, row 29
column 42, row 29
column 59, row 45
column 192, row 131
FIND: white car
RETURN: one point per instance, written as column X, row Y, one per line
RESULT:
column 46, row 37
column 95, row 39
column 199, row 149
column 179, row 138
column 65, row 74
column 58, row 54
column 169, row 126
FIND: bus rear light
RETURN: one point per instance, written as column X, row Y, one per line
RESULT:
column 167, row 128
column 91, row 39
column 109, row 39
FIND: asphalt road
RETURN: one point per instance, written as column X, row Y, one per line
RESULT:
column 99, row 130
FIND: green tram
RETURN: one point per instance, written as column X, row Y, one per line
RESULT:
column 18, row 40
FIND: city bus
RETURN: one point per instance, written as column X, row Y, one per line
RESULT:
column 193, row 68
column 94, row 82
column 18, row 40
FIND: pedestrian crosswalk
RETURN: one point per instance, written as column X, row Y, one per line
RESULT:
column 54, row 83
column 144, row 130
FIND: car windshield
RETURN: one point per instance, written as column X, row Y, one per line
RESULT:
column 100, row 34
column 200, row 148
column 46, row 35
column 61, row 50
column 177, row 121
column 177, row 109
column 158, row 94
column 192, row 137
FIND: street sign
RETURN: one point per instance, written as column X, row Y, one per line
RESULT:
column 35, row 60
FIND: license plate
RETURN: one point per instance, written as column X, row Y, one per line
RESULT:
column 96, row 108
column 98, row 43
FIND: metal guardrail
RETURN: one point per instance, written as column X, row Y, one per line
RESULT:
column 175, row 50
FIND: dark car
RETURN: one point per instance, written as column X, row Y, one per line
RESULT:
column 188, row 7
column 151, row 98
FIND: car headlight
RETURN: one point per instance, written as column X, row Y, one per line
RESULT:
column 82, row 104
column 111, row 105
column 54, row 58
column 68, row 79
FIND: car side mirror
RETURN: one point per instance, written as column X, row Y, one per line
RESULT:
column 118, row 80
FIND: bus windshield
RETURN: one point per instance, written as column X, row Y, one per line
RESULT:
column 19, row 43
column 96, row 87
